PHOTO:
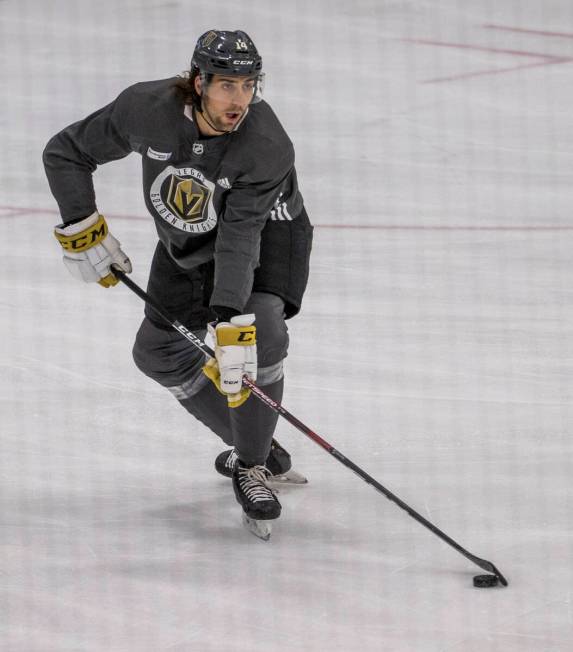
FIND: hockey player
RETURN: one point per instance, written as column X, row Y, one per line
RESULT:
column 234, row 242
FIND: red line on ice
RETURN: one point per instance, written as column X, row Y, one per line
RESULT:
column 522, row 30
column 496, row 71
column 445, row 227
column 16, row 211
column 545, row 59
column 481, row 48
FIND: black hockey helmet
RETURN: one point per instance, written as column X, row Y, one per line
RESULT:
column 224, row 52
column 229, row 53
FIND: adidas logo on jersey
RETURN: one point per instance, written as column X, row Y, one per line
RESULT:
column 224, row 183
column 279, row 212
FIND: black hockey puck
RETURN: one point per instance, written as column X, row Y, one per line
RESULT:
column 485, row 581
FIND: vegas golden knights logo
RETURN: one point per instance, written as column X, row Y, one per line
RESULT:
column 183, row 198
column 188, row 198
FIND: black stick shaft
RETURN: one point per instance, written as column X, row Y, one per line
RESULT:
column 279, row 409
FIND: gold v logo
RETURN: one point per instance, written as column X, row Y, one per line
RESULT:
column 188, row 198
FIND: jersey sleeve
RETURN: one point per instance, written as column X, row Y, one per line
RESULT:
column 72, row 156
column 237, row 246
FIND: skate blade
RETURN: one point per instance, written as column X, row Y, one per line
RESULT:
column 261, row 529
column 290, row 477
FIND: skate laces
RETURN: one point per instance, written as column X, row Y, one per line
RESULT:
column 253, row 483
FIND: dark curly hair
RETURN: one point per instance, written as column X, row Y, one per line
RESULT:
column 185, row 86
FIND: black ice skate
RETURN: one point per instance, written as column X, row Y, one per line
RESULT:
column 259, row 503
column 278, row 463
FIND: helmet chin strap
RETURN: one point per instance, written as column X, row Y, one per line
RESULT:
column 204, row 116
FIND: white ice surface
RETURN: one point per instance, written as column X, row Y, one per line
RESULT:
column 434, row 349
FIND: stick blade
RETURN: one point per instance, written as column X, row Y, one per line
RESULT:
column 488, row 566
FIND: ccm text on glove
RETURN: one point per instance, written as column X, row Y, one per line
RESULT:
column 90, row 250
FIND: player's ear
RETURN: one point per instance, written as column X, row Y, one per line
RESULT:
column 198, row 85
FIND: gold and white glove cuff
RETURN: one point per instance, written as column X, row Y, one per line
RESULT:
column 82, row 235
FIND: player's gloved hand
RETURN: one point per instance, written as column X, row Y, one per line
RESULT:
column 235, row 344
column 90, row 250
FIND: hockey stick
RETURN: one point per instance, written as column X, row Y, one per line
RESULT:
column 279, row 409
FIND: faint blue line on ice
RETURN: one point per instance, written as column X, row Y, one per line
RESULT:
column 84, row 377
column 418, row 397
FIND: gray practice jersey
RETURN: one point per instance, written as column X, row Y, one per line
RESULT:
column 209, row 197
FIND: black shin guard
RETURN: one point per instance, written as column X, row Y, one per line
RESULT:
column 249, row 428
column 253, row 425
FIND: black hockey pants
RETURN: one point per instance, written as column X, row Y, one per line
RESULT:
column 171, row 360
